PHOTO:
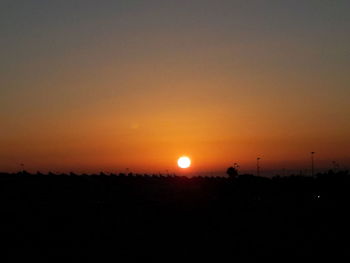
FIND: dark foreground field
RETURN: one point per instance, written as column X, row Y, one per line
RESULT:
column 69, row 218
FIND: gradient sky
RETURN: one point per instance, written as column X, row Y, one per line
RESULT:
column 109, row 85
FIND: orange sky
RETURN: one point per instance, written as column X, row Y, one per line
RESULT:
column 137, row 86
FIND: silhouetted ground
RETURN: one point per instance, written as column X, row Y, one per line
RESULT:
column 106, row 218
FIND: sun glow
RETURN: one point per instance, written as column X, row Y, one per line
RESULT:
column 184, row 162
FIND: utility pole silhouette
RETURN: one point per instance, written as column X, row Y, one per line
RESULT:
column 312, row 163
column 258, row 166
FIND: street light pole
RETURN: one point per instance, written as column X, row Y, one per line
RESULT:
column 312, row 163
column 258, row 166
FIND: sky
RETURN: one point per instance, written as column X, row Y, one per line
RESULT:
column 112, row 86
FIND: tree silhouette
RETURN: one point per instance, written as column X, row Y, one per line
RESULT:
column 232, row 172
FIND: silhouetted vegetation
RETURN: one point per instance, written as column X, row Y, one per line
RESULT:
column 69, row 217
column 231, row 172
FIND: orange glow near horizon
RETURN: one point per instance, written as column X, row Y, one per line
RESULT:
column 133, row 86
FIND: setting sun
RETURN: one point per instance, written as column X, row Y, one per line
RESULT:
column 184, row 162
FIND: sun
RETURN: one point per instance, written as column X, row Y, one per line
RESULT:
column 184, row 162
